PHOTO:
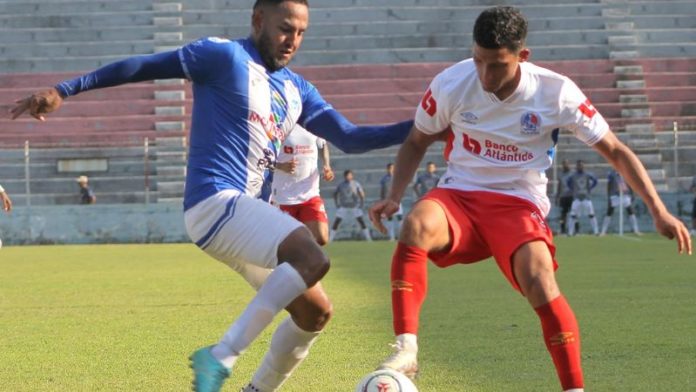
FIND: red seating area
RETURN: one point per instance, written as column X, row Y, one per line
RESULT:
column 364, row 93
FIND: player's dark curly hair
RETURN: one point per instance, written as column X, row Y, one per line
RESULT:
column 260, row 3
column 501, row 27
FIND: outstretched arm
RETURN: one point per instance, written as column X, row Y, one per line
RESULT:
column 164, row 65
column 632, row 170
column 407, row 160
column 350, row 138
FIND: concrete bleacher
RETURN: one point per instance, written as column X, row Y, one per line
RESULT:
column 42, row 42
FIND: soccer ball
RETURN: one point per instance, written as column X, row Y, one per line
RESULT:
column 386, row 380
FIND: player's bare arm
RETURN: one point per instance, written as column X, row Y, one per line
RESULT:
column 6, row 201
column 629, row 166
column 408, row 159
column 326, row 159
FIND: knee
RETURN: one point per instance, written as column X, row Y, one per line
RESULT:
column 416, row 227
column 322, row 239
column 301, row 250
column 539, row 288
column 315, row 317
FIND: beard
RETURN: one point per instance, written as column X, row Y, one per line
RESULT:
column 265, row 50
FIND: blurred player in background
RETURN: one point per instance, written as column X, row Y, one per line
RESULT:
column 350, row 200
column 426, row 181
column 384, row 186
column 245, row 103
column 492, row 199
column 296, row 181
column 581, row 184
column 620, row 196
column 564, row 195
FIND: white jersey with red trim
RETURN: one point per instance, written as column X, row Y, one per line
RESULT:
column 505, row 146
column 297, row 188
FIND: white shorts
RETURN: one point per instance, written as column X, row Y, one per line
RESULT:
column 582, row 208
column 620, row 201
column 347, row 212
column 240, row 231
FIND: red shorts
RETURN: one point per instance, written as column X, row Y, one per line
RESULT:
column 310, row 211
column 485, row 224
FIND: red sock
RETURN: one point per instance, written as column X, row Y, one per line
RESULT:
column 562, row 338
column 409, row 280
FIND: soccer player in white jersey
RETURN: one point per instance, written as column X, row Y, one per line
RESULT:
column 246, row 101
column 296, row 181
column 500, row 116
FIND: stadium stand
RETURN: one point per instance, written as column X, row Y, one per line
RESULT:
column 371, row 59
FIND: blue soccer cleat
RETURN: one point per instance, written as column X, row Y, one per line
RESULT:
column 208, row 373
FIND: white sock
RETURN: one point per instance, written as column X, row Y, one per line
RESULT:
column 408, row 341
column 634, row 223
column 332, row 235
column 575, row 390
column 289, row 347
column 571, row 226
column 605, row 224
column 366, row 233
column 595, row 228
column 282, row 286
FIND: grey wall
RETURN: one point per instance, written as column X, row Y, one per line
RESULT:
column 115, row 223
column 157, row 223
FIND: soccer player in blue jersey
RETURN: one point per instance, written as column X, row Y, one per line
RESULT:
column 245, row 103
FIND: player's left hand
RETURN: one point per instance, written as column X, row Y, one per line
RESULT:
column 672, row 228
column 328, row 174
column 38, row 104
column 381, row 210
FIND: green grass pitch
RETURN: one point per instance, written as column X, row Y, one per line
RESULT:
column 125, row 318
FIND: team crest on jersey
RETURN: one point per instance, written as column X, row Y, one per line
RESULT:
column 469, row 118
column 287, row 149
column 530, row 123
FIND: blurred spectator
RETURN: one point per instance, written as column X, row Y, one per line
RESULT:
column 350, row 199
column 86, row 194
column 426, row 181
column 385, row 184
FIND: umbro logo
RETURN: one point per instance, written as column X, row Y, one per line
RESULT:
column 401, row 285
column 562, row 338
column 469, row 118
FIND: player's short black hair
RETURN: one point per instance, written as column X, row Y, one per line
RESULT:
column 430, row 163
column 390, row 164
column 501, row 27
column 345, row 173
column 260, row 3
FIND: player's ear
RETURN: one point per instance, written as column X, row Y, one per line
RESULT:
column 257, row 20
column 524, row 55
